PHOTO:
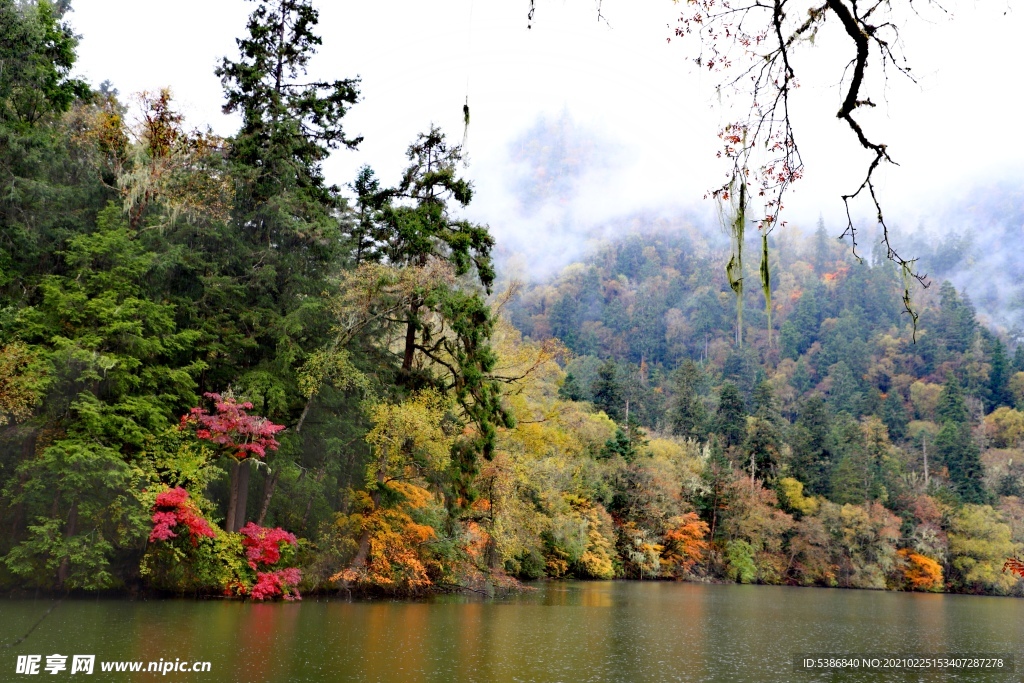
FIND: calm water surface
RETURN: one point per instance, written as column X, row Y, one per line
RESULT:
column 562, row 632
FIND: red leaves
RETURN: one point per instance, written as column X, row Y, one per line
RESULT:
column 1015, row 566
column 282, row 582
column 232, row 428
column 173, row 508
column 263, row 547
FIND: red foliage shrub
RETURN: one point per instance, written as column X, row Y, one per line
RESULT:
column 173, row 508
column 262, row 550
column 263, row 545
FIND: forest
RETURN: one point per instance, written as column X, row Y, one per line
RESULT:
column 220, row 374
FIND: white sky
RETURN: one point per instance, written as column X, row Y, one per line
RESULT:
column 619, row 81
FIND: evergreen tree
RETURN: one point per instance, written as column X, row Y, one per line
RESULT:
column 1018, row 358
column 607, row 391
column 688, row 416
column 894, row 415
column 812, row 457
column 957, row 450
column 845, row 395
column 764, row 403
column 763, row 444
column 956, row 447
column 998, row 377
column 951, row 406
column 731, row 417
column 716, row 477
column 571, row 389
column 266, row 274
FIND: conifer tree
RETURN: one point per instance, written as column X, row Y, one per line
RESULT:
column 812, row 456
column 687, row 416
column 894, row 415
column 956, row 447
column 998, row 377
column 731, row 416
column 607, row 391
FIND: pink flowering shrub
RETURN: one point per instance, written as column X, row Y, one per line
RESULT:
column 232, row 428
column 174, row 509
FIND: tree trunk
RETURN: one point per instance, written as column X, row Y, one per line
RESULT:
column 268, row 492
column 410, row 339
column 244, row 470
column 65, row 564
column 364, row 537
column 239, row 496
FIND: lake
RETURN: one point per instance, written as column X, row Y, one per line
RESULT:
column 560, row 632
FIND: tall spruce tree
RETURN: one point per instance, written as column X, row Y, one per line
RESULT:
column 607, row 391
column 894, row 415
column 998, row 377
column 688, row 416
column 286, row 240
column 731, row 416
column 812, row 457
column 956, row 447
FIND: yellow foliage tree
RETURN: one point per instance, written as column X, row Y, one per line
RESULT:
column 979, row 543
column 1006, row 427
column 394, row 561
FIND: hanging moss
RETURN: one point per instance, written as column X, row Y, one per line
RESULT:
column 766, row 284
column 734, row 269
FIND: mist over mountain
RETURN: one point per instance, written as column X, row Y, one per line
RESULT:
column 563, row 190
column 974, row 240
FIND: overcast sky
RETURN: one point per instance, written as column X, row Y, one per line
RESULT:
column 647, row 115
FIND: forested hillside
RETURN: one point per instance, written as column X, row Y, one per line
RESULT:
column 841, row 424
column 222, row 374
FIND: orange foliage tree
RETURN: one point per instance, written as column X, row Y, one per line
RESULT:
column 395, row 559
column 920, row 573
column 684, row 544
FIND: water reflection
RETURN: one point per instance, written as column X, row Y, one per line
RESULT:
column 562, row 632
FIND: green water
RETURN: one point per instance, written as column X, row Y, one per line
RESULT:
column 612, row 631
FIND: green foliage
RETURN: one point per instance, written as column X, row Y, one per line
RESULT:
column 688, row 416
column 731, row 416
column 607, row 391
column 812, row 457
column 740, row 558
column 979, row 543
column 894, row 415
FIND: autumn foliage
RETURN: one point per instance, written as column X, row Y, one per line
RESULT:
column 684, row 544
column 174, row 509
column 232, row 428
column 920, row 573
column 1014, row 566
column 395, row 559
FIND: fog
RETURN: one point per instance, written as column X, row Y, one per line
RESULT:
column 582, row 128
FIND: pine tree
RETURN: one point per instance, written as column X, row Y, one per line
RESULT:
column 1018, row 358
column 607, row 391
column 894, row 415
column 812, row 456
column 998, row 377
column 845, row 395
column 571, row 389
column 956, row 447
column 688, row 416
column 951, row 406
column 731, row 417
